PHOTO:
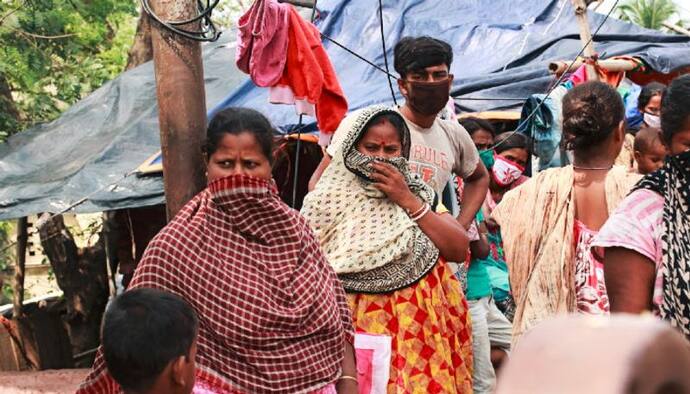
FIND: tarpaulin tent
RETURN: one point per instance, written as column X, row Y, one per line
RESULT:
column 99, row 140
column 502, row 49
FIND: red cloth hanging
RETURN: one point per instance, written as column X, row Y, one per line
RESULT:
column 309, row 80
column 262, row 41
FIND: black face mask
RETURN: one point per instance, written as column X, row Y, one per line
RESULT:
column 428, row 98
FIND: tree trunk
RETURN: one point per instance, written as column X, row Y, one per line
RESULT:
column 142, row 49
column 9, row 114
column 82, row 275
column 6, row 101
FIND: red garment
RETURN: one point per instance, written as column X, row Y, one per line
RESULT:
column 309, row 78
column 273, row 316
column 262, row 41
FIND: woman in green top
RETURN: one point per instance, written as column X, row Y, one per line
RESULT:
column 487, row 276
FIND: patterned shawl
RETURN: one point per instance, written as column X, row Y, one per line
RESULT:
column 537, row 221
column 369, row 240
column 672, row 181
column 273, row 316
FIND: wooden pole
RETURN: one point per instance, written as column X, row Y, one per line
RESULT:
column 585, row 35
column 20, row 267
column 561, row 66
column 675, row 28
column 181, row 104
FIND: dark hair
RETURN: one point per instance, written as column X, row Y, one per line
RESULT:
column 236, row 120
column 591, row 112
column 474, row 124
column 675, row 107
column 646, row 138
column 398, row 122
column 511, row 140
column 418, row 53
column 143, row 331
column 648, row 91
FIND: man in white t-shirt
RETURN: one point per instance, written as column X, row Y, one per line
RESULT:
column 440, row 148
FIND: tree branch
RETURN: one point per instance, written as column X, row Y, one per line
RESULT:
column 7, row 15
column 39, row 36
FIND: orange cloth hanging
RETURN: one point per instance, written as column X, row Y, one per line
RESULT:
column 309, row 80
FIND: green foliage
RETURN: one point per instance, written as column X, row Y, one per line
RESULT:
column 55, row 52
column 6, row 260
column 647, row 13
column 6, row 256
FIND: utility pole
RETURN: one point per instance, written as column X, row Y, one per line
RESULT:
column 585, row 35
column 181, row 104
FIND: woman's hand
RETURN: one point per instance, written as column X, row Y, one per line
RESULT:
column 347, row 386
column 491, row 224
column 392, row 183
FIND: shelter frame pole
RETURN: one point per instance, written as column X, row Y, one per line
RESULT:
column 675, row 28
column 580, row 7
column 20, row 267
column 181, row 104
column 295, row 174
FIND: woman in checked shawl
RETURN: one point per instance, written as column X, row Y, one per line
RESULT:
column 374, row 220
column 273, row 316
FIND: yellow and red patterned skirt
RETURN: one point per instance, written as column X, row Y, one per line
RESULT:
column 429, row 323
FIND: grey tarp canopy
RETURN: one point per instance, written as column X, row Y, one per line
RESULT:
column 99, row 140
column 501, row 48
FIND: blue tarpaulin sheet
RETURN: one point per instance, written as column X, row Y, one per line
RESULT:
column 501, row 50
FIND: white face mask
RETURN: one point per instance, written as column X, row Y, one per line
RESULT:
column 505, row 171
column 652, row 120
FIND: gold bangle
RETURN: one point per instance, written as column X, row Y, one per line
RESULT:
column 347, row 377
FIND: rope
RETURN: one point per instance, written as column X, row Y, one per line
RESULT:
column 360, row 57
column 207, row 31
column 296, row 172
column 298, row 148
column 559, row 81
column 385, row 53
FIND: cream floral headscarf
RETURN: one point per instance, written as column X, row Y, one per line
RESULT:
column 369, row 240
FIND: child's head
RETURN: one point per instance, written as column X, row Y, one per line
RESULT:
column 149, row 342
column 514, row 147
column 481, row 131
column 239, row 141
column 649, row 150
column 383, row 137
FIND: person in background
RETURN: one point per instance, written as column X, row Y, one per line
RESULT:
column 377, row 225
column 439, row 148
column 488, row 283
column 650, row 151
column 274, row 316
column 149, row 342
column 646, row 115
column 549, row 222
column 481, row 131
column 646, row 242
column 649, row 104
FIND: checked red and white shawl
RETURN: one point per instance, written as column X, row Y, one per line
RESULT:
column 272, row 314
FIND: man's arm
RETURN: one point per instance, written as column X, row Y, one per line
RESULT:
column 476, row 187
column 319, row 171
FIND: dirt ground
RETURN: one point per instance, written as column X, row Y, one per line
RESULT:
column 61, row 381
